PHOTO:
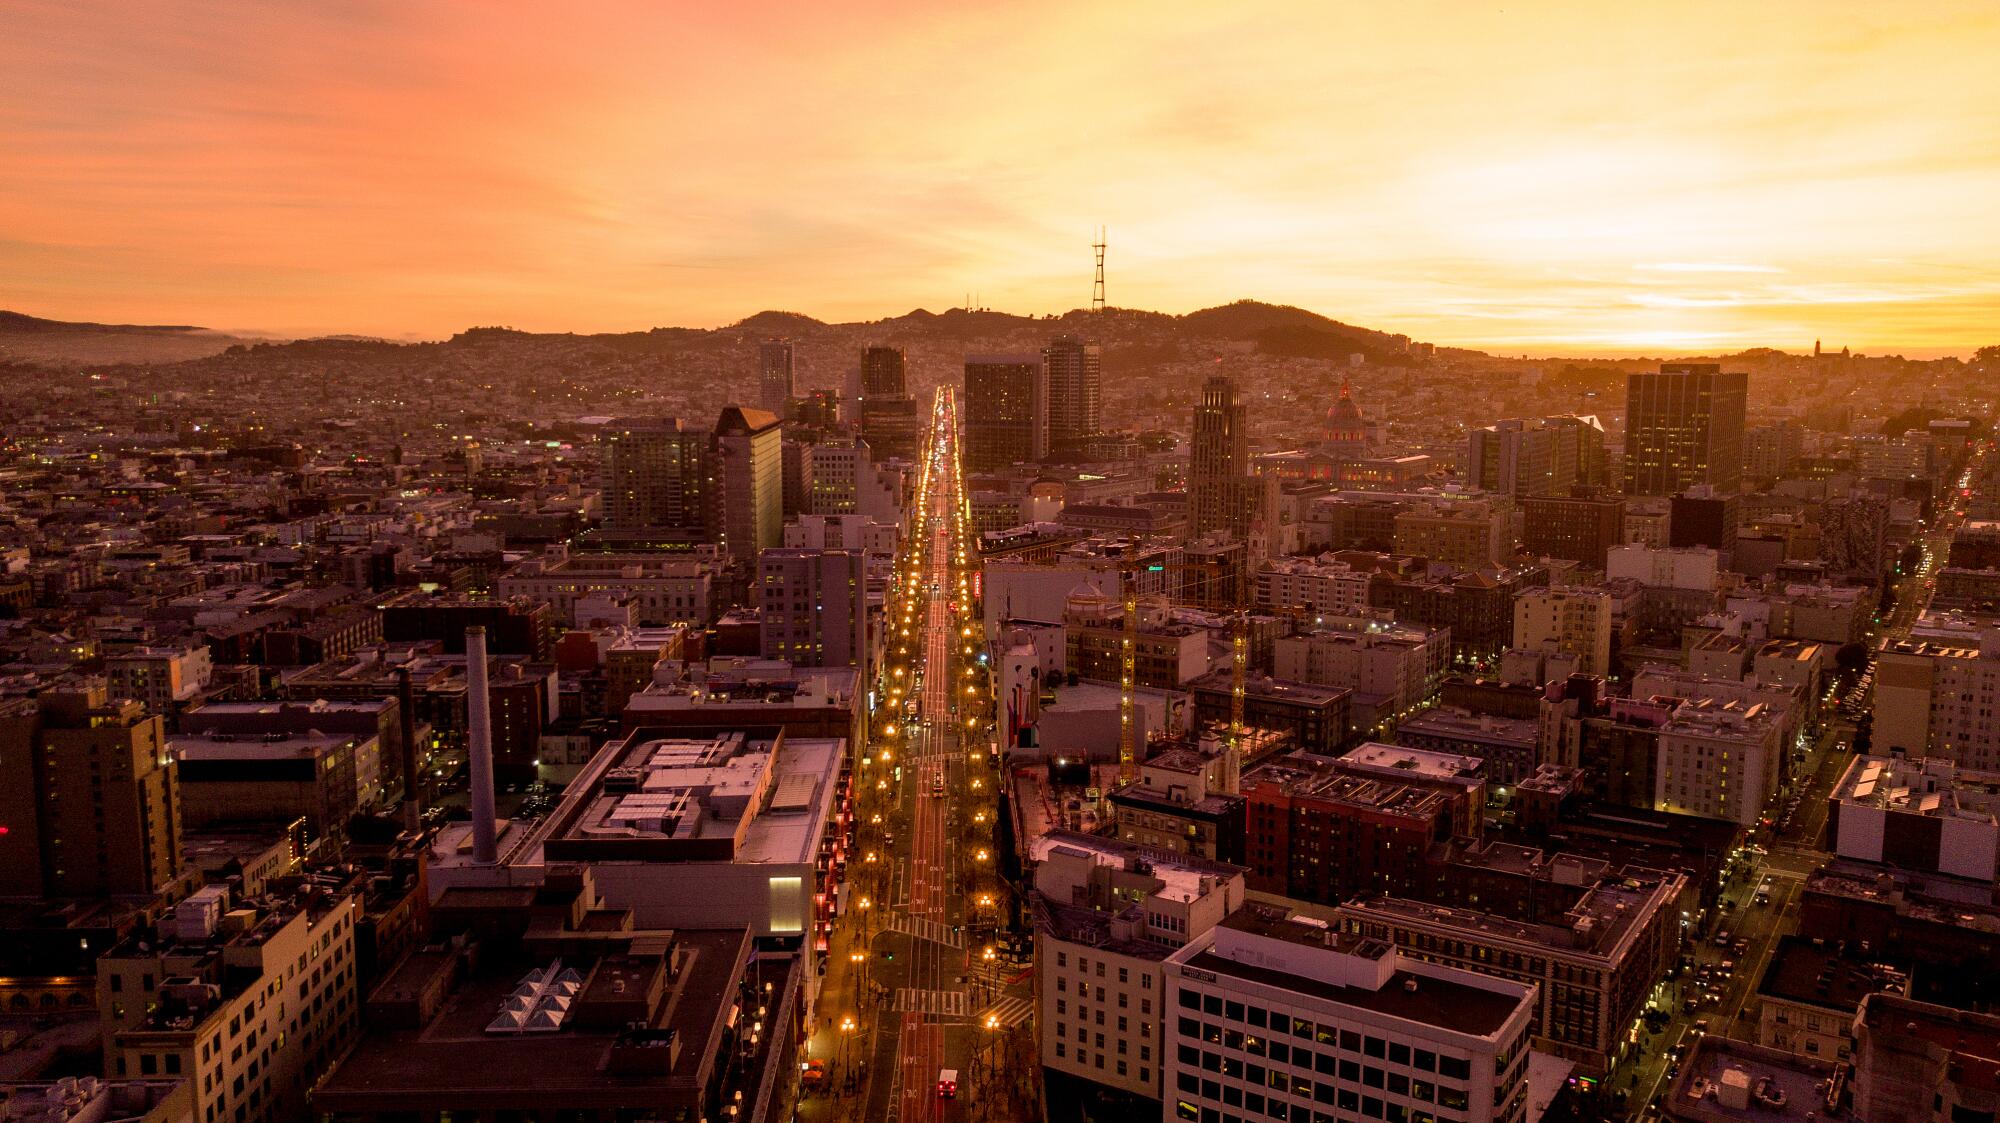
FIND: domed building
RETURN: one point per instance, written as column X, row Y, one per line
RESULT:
column 1345, row 429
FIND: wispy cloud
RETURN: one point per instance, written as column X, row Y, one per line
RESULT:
column 1705, row 267
column 1551, row 175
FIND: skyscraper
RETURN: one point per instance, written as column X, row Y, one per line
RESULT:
column 883, row 373
column 1219, row 466
column 1683, row 428
column 655, row 476
column 774, row 363
column 890, row 419
column 1006, row 411
column 1075, row 391
column 750, row 463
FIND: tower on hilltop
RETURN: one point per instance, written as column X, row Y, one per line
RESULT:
column 1097, row 289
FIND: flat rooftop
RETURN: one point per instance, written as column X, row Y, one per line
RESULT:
column 1180, row 876
column 741, row 796
column 1426, row 995
column 1400, row 760
column 1936, row 788
column 1613, row 909
column 1821, row 976
column 1487, row 729
column 217, row 747
column 1972, row 1040
column 454, row 1060
column 1723, row 1081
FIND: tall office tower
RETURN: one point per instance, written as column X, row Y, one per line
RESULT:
column 774, row 364
column 1582, row 434
column 1076, row 391
column 1517, row 457
column 1684, row 427
column 883, row 373
column 655, row 476
column 1006, row 411
column 815, row 607
column 750, row 468
column 798, row 485
column 1218, row 470
column 88, row 796
column 891, row 420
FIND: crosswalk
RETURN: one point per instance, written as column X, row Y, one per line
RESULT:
column 936, row 1003
column 924, row 928
column 1006, row 1013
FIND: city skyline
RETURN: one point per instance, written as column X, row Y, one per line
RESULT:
column 1691, row 182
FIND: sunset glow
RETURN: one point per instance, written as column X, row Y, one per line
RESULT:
column 1540, row 177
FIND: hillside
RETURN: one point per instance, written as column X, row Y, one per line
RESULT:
column 1128, row 334
column 32, row 339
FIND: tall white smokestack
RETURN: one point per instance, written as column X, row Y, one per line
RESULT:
column 479, row 745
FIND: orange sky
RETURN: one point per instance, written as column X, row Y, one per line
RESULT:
column 1527, row 177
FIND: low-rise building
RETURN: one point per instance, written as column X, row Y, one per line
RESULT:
column 1274, row 1012
column 1925, row 815
column 277, row 778
column 1809, row 995
column 1107, row 915
column 1323, row 829
column 1506, row 745
column 251, row 1001
column 1919, row 1063
column 1391, row 669
column 1594, row 963
column 1934, row 693
column 563, row 1006
column 87, row 1099
column 1186, row 800
column 1720, row 761
column 1722, row 1080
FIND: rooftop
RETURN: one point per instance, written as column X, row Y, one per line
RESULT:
column 454, row 1055
column 1934, row 788
column 1810, row 971
column 1723, row 1080
column 755, row 796
column 1395, row 987
column 1601, row 925
column 1462, row 725
column 1971, row 1040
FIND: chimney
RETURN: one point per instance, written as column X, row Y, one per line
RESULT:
column 413, row 798
column 479, row 744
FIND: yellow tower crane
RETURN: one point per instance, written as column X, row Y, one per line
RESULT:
column 1128, row 664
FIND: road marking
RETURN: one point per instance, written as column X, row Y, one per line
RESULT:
column 935, row 1003
column 1006, row 1014
column 924, row 928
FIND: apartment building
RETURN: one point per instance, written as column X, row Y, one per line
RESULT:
column 1593, row 964
column 251, row 1001
column 1572, row 620
column 1720, row 760
column 1107, row 915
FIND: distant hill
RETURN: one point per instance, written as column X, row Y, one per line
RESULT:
column 1133, row 338
column 67, row 343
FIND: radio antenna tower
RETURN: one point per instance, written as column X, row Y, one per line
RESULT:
column 1097, row 290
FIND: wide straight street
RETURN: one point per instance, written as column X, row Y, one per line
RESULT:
column 923, row 1011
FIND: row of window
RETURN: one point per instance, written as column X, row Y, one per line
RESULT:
column 1299, row 1085
column 1352, row 1105
column 1278, row 1023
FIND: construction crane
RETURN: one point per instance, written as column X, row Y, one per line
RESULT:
column 1128, row 663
